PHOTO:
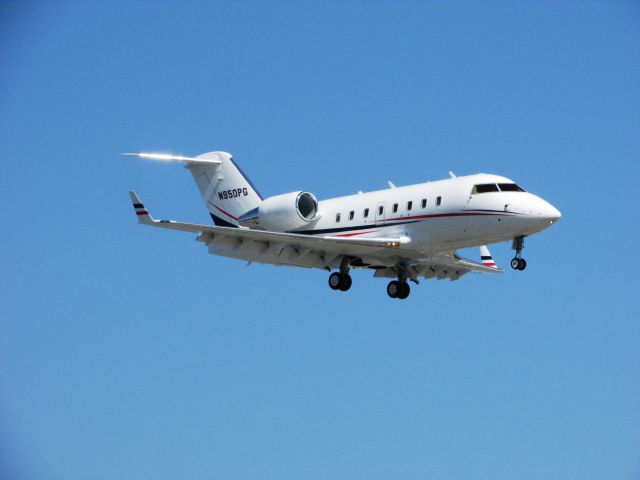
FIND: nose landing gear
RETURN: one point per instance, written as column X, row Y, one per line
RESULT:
column 518, row 263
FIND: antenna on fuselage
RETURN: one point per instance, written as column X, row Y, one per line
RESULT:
column 451, row 174
column 390, row 183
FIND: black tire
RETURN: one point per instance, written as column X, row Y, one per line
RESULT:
column 392, row 288
column 346, row 282
column 404, row 290
column 335, row 280
column 522, row 264
column 515, row 263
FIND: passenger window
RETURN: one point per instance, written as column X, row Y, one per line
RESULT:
column 351, row 215
column 423, row 203
column 484, row 188
column 337, row 218
column 366, row 213
column 409, row 205
column 395, row 207
column 380, row 210
column 438, row 201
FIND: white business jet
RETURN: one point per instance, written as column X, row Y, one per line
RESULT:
column 402, row 233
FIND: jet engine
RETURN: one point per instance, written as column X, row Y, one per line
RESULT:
column 283, row 213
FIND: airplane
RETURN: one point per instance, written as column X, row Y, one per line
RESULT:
column 402, row 233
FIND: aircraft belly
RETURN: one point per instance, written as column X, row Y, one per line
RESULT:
column 444, row 234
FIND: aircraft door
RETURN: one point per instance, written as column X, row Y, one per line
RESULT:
column 380, row 212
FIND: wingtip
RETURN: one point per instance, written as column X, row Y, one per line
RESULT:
column 134, row 196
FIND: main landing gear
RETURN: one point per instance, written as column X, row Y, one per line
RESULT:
column 397, row 289
column 400, row 288
column 341, row 280
column 518, row 263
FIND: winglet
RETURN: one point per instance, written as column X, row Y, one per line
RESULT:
column 141, row 212
column 486, row 258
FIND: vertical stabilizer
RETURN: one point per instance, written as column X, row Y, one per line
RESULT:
column 226, row 191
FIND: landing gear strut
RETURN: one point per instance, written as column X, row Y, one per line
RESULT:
column 341, row 280
column 518, row 263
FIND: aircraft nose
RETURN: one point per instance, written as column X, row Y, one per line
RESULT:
column 550, row 213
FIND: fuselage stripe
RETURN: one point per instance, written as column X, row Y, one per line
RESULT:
column 436, row 215
column 398, row 221
column 355, row 234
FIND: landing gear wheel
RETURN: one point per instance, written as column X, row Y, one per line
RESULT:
column 345, row 283
column 518, row 263
column 404, row 290
column 335, row 280
column 393, row 289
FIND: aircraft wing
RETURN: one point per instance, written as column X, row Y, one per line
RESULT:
column 316, row 251
column 453, row 260
column 446, row 265
column 261, row 246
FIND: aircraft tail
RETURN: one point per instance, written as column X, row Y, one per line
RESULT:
column 225, row 189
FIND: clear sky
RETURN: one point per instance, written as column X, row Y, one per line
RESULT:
column 128, row 352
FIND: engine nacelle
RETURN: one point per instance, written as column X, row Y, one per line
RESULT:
column 283, row 213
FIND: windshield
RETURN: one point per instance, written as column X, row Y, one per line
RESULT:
column 485, row 188
column 510, row 187
column 492, row 187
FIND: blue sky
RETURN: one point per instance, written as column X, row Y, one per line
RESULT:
column 129, row 353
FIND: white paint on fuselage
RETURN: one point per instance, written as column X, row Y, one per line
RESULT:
column 461, row 220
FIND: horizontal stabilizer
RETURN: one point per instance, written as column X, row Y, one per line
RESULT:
column 173, row 158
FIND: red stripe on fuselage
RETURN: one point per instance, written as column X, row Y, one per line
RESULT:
column 437, row 215
column 380, row 224
column 355, row 234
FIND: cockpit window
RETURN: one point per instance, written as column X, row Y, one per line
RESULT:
column 484, row 188
column 510, row 187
